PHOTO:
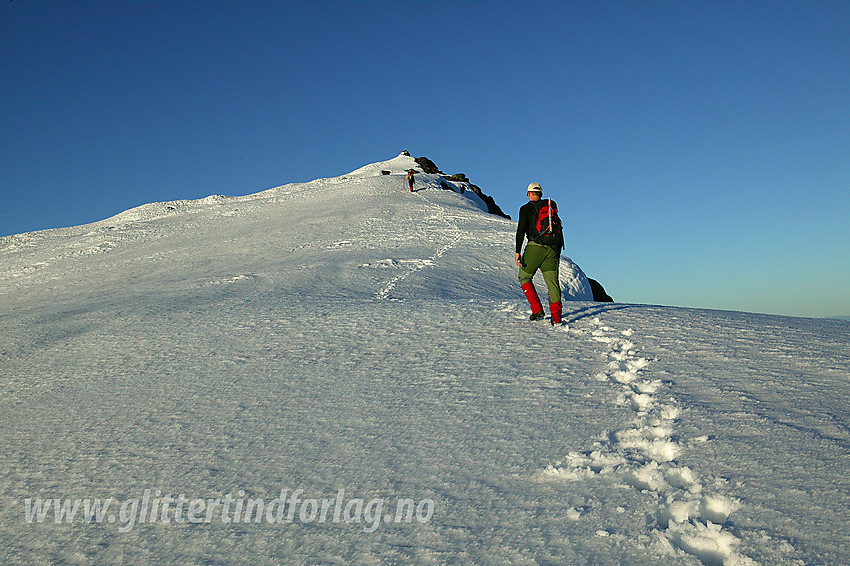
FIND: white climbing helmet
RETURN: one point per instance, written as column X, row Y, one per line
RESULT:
column 535, row 188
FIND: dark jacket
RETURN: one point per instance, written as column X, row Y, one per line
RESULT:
column 527, row 223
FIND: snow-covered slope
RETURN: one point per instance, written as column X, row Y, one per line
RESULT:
column 356, row 236
column 198, row 363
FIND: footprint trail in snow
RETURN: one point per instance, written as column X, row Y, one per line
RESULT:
column 385, row 293
column 644, row 455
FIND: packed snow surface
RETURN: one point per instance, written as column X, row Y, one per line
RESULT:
column 262, row 379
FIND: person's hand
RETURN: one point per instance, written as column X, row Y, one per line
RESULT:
column 519, row 260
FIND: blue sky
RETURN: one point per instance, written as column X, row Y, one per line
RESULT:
column 699, row 151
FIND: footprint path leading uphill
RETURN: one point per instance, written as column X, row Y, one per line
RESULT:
column 416, row 265
column 644, row 455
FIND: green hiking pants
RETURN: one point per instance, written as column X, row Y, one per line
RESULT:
column 547, row 260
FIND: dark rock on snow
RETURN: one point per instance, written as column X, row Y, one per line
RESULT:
column 599, row 294
column 431, row 168
column 428, row 166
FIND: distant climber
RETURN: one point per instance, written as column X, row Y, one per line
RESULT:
column 410, row 179
column 539, row 222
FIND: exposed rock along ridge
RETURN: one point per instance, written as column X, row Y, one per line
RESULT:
column 430, row 168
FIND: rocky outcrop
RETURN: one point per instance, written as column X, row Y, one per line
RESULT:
column 428, row 166
column 431, row 168
column 599, row 294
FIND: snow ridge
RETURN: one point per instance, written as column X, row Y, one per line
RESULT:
column 644, row 456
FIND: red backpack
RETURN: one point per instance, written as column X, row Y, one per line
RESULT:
column 549, row 229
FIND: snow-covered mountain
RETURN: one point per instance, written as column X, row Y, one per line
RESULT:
column 343, row 372
column 356, row 236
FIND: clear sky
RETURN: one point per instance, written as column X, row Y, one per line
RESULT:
column 699, row 151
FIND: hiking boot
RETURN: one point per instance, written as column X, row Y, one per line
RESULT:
column 537, row 316
column 555, row 308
